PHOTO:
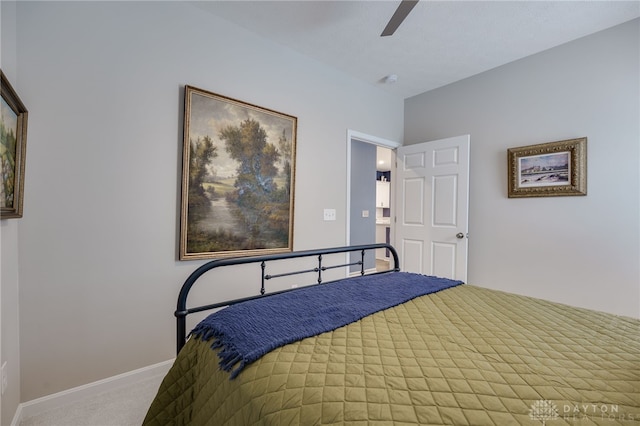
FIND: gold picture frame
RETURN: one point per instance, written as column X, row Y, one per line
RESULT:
column 13, row 145
column 548, row 169
column 238, row 178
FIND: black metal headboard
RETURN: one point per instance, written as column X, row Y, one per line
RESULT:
column 182, row 311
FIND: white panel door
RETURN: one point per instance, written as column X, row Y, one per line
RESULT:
column 432, row 207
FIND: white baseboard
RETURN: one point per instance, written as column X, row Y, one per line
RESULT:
column 69, row 396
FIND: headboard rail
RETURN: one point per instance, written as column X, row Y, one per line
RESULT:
column 182, row 311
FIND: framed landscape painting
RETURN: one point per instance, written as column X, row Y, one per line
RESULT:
column 13, row 142
column 238, row 174
column 549, row 169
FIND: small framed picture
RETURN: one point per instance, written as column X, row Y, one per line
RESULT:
column 548, row 169
column 13, row 143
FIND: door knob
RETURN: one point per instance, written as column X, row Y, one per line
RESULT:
column 459, row 235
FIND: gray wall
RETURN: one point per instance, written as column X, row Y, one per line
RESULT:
column 103, row 82
column 363, row 197
column 582, row 251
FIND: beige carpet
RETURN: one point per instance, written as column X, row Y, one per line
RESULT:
column 119, row 407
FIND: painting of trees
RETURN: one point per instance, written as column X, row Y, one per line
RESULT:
column 7, row 163
column 13, row 139
column 238, row 178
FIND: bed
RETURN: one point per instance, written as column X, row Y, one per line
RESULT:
column 454, row 354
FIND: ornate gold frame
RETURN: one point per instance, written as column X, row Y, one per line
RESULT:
column 12, row 157
column 243, row 204
column 548, row 180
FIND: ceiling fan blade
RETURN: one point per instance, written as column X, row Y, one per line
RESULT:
column 401, row 13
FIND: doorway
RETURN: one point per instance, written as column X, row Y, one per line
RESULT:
column 362, row 177
column 384, row 191
column 429, row 208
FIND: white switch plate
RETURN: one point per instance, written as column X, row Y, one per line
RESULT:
column 365, row 213
column 329, row 214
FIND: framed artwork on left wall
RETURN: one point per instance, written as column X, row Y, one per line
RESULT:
column 13, row 142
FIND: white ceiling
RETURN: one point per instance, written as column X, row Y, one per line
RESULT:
column 440, row 42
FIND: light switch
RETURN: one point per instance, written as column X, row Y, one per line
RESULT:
column 329, row 214
column 365, row 213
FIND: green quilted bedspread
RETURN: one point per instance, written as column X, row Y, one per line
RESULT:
column 463, row 356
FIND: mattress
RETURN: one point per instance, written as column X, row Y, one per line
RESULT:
column 462, row 356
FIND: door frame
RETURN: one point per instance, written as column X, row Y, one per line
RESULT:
column 353, row 135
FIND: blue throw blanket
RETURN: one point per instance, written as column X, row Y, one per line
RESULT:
column 248, row 330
